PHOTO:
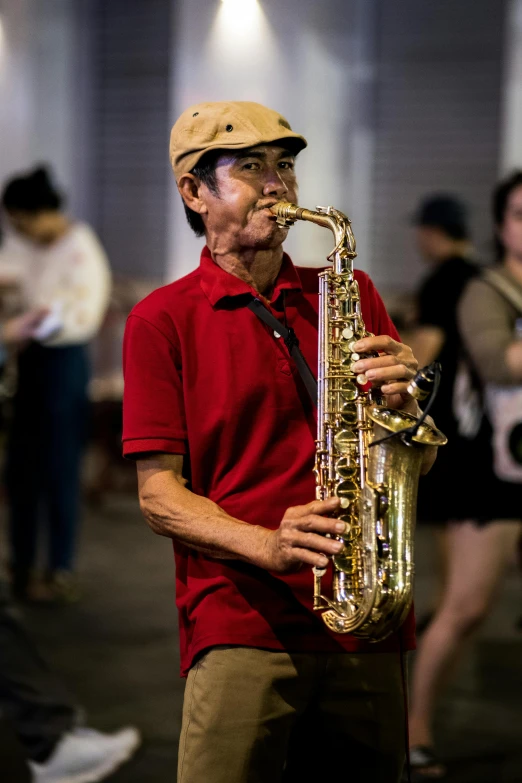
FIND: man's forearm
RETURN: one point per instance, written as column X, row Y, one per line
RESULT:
column 173, row 511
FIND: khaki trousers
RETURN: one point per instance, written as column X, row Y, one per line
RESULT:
column 256, row 716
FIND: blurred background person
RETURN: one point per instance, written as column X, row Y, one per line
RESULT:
column 45, row 718
column 61, row 266
column 483, row 511
column 443, row 239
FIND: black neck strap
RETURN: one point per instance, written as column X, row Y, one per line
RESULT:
column 291, row 342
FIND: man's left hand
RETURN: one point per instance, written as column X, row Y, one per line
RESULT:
column 391, row 370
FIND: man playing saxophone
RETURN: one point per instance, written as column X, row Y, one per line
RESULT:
column 222, row 429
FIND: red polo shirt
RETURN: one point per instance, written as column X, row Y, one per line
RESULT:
column 204, row 377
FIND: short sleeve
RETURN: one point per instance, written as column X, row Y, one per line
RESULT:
column 153, row 408
column 84, row 290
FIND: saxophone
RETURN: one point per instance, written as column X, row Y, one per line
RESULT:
column 367, row 455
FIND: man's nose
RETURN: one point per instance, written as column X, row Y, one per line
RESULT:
column 274, row 184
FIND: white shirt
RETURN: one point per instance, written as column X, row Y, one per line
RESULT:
column 71, row 277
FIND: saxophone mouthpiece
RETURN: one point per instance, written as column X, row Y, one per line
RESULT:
column 286, row 213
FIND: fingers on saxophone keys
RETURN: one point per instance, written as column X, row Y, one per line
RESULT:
column 327, row 506
column 374, row 363
column 317, row 543
column 323, row 525
column 312, row 558
column 394, row 373
column 395, row 388
column 381, row 342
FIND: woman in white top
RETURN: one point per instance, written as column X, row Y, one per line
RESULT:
column 60, row 265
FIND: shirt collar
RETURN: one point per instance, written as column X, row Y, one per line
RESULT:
column 218, row 284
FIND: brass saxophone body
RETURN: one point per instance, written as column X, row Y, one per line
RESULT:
column 372, row 581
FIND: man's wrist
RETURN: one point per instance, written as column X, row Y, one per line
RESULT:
column 260, row 554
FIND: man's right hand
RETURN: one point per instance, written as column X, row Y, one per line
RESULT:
column 300, row 538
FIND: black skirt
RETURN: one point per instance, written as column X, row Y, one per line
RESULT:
column 462, row 485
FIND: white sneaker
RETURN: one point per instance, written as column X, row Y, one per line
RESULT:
column 86, row 756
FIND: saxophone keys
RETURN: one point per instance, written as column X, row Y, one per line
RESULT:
column 362, row 380
column 346, row 491
column 348, row 413
column 347, row 333
column 348, row 389
column 345, row 467
column 343, row 441
column 347, row 525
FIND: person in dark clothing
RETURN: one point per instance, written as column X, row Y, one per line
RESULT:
column 45, row 717
column 476, row 512
column 443, row 239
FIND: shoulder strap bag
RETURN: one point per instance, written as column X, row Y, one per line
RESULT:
column 504, row 403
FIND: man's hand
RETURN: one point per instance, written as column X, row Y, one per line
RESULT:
column 300, row 538
column 392, row 370
column 22, row 327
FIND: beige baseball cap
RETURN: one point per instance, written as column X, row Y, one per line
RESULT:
column 226, row 125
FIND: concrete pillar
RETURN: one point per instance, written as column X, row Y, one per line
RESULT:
column 511, row 136
column 38, row 98
column 16, row 87
column 309, row 61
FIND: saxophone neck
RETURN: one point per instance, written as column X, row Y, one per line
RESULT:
column 328, row 217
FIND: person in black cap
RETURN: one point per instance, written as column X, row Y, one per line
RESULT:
column 443, row 239
column 461, row 496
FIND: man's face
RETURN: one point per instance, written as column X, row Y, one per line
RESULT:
column 249, row 181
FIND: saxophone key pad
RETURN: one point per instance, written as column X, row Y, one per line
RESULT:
column 343, row 441
column 347, row 333
column 348, row 389
column 345, row 467
column 362, row 380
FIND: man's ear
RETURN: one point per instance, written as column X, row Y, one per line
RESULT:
column 190, row 188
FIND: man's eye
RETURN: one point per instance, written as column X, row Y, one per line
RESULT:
column 253, row 166
column 286, row 164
